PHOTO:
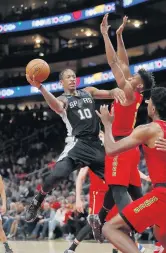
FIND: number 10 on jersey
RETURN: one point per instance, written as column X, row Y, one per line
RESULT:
column 85, row 114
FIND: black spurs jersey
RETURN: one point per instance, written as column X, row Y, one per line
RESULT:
column 80, row 116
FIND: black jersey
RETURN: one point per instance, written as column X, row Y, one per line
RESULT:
column 80, row 116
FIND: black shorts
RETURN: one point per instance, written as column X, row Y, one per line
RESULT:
column 86, row 152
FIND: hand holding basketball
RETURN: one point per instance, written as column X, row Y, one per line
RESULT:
column 37, row 71
column 32, row 81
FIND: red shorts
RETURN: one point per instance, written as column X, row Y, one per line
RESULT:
column 96, row 203
column 123, row 169
column 147, row 211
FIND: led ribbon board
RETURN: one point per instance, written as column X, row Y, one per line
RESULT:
column 88, row 80
column 67, row 18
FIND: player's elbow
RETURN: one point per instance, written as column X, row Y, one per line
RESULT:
column 58, row 111
column 113, row 61
column 121, row 82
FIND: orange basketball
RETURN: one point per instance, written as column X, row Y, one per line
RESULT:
column 39, row 69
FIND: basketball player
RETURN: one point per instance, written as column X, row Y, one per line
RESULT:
column 77, row 110
column 121, row 173
column 150, row 209
column 3, row 211
column 160, row 144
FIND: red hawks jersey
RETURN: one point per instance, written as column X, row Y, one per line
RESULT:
column 156, row 159
column 125, row 116
column 96, row 183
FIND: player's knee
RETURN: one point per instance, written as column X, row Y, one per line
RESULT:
column 108, row 226
column 57, row 174
column 106, row 229
column 116, row 223
column 62, row 170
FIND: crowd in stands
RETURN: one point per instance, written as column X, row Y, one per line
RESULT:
column 57, row 217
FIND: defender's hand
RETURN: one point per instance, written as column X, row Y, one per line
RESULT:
column 160, row 144
column 104, row 27
column 119, row 95
column 105, row 115
column 121, row 28
column 79, row 206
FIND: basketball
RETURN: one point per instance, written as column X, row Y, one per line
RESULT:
column 39, row 69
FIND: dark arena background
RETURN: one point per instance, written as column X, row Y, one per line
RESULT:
column 66, row 34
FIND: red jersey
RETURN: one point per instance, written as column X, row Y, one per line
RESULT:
column 156, row 160
column 96, row 183
column 125, row 116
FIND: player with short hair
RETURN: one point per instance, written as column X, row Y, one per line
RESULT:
column 3, row 237
column 150, row 209
column 121, row 171
column 77, row 110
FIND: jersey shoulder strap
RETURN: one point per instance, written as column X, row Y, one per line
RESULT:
column 162, row 124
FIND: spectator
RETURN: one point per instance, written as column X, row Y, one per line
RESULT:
column 57, row 219
column 42, row 224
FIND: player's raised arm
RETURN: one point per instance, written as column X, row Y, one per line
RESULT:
column 139, row 135
column 79, row 183
column 121, row 50
column 54, row 103
column 114, row 62
column 116, row 94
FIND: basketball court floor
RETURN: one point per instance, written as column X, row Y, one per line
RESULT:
column 59, row 246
